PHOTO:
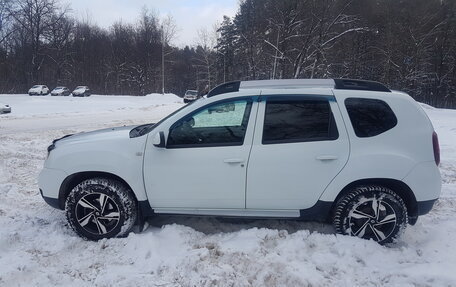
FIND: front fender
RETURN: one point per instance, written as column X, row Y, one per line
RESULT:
column 120, row 157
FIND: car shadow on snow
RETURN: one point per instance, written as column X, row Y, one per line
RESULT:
column 212, row 225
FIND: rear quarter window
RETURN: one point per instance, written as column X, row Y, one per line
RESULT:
column 370, row 117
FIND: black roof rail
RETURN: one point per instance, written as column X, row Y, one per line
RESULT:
column 340, row 84
column 351, row 84
column 224, row 88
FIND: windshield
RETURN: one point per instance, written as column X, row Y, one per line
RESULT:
column 59, row 88
column 191, row 93
column 36, row 86
column 80, row 87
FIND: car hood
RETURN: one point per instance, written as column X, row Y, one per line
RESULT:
column 35, row 89
column 59, row 91
column 79, row 91
column 93, row 136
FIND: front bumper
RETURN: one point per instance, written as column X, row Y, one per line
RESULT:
column 49, row 182
column 54, row 202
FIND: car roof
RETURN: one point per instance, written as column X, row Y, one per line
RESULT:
column 345, row 84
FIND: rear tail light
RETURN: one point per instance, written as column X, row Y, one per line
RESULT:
column 435, row 144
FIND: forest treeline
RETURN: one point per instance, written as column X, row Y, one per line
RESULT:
column 409, row 45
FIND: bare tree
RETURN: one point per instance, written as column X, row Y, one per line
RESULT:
column 6, row 27
column 36, row 17
column 204, row 59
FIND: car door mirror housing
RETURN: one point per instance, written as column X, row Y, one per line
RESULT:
column 159, row 140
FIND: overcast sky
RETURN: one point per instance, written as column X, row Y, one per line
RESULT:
column 189, row 15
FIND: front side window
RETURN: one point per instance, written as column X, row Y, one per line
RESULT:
column 298, row 120
column 370, row 117
column 220, row 124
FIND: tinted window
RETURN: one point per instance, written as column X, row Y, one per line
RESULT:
column 370, row 117
column 298, row 121
column 222, row 124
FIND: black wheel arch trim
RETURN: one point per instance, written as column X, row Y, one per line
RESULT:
column 399, row 187
column 72, row 180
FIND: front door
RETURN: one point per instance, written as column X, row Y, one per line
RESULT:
column 204, row 163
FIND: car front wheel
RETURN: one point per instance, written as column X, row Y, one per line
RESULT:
column 101, row 208
column 371, row 212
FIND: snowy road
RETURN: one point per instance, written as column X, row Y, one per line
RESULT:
column 37, row 248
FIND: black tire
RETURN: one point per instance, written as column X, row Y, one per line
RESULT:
column 101, row 208
column 371, row 212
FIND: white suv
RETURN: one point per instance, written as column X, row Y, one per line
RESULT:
column 347, row 151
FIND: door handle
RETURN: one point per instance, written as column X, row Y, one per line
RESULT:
column 233, row 160
column 327, row 157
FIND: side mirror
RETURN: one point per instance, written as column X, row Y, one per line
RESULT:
column 159, row 140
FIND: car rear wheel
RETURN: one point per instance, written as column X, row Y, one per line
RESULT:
column 101, row 208
column 371, row 212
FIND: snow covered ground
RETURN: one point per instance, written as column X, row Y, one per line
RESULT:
column 37, row 248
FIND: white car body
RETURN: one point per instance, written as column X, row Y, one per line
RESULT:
column 4, row 108
column 38, row 90
column 299, row 179
column 60, row 91
column 81, row 91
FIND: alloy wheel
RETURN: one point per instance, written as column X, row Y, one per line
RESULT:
column 372, row 218
column 97, row 213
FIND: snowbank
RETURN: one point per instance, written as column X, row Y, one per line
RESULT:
column 29, row 106
column 37, row 248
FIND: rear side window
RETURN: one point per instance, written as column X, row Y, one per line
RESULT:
column 370, row 117
column 298, row 121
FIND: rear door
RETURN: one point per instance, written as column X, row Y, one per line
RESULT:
column 300, row 145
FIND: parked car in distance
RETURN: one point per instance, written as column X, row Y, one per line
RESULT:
column 190, row 96
column 349, row 152
column 38, row 90
column 4, row 108
column 81, row 91
column 60, row 91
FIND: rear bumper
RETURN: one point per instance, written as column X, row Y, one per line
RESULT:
column 423, row 207
column 425, row 182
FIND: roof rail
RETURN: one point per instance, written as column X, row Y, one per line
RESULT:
column 224, row 88
column 351, row 84
column 341, row 84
